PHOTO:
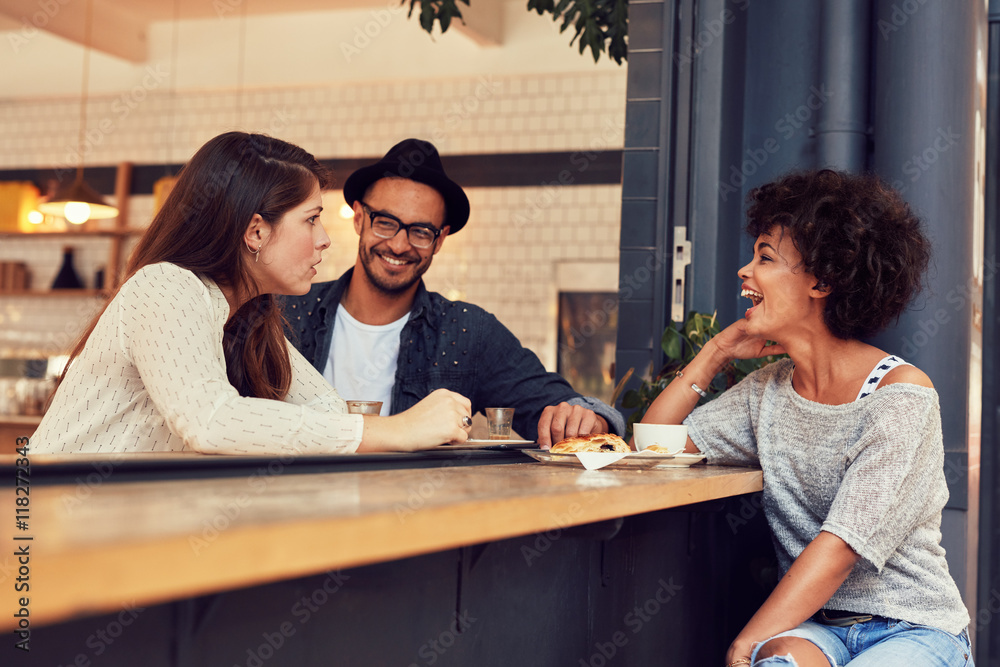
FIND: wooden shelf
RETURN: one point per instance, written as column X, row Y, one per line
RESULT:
column 20, row 420
column 116, row 243
column 67, row 233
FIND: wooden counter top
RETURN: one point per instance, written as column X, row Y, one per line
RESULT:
column 99, row 545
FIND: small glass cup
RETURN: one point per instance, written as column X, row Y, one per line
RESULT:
column 499, row 421
column 364, row 407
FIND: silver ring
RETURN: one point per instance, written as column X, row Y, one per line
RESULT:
column 466, row 421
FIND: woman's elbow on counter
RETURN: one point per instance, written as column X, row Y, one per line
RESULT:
column 213, row 440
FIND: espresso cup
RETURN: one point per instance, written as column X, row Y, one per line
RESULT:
column 671, row 436
column 364, row 407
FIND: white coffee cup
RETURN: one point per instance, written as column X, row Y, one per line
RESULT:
column 671, row 436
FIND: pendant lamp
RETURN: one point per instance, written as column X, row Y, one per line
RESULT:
column 165, row 184
column 78, row 202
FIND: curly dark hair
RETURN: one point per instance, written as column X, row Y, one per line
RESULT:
column 856, row 235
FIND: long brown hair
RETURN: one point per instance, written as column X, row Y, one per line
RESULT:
column 200, row 228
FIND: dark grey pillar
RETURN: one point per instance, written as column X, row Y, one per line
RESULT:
column 783, row 96
column 842, row 130
column 756, row 104
column 717, row 154
column 644, row 261
column 782, row 89
column 927, row 108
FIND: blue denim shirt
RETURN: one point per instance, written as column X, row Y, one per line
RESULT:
column 449, row 344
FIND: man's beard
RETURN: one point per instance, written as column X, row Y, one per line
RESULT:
column 368, row 258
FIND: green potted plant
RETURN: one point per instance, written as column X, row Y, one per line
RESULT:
column 680, row 343
column 598, row 24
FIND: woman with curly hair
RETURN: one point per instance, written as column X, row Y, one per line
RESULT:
column 848, row 436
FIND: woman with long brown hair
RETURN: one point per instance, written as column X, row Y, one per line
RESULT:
column 190, row 354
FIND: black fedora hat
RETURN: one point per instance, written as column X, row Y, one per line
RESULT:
column 419, row 161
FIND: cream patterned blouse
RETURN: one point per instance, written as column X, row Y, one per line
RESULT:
column 152, row 378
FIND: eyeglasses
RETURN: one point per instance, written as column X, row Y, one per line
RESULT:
column 385, row 226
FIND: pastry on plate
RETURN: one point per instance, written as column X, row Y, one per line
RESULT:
column 597, row 442
column 660, row 449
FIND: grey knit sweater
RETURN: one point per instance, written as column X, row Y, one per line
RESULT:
column 870, row 472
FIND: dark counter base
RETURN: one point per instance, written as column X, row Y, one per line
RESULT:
column 669, row 588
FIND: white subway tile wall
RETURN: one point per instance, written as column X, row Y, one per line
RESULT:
column 504, row 260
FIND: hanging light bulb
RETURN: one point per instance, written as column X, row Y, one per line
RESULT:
column 35, row 217
column 79, row 202
column 77, row 212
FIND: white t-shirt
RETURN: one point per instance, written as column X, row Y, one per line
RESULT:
column 362, row 361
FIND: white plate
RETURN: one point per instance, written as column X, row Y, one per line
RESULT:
column 634, row 460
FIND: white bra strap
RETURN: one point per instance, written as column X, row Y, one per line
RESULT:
column 875, row 377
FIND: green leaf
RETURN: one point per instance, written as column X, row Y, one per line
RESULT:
column 427, row 15
column 617, row 31
column 445, row 21
column 680, row 342
column 631, row 399
column 671, row 343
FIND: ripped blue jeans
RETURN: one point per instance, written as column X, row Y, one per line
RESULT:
column 880, row 642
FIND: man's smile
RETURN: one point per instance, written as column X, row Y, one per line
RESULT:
column 394, row 261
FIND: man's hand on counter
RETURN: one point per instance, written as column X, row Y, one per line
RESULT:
column 566, row 421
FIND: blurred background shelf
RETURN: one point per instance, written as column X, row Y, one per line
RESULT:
column 62, row 293
column 71, row 232
column 13, row 427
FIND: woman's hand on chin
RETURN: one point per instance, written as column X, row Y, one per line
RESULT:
column 734, row 342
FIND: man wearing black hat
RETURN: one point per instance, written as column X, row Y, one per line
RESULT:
column 378, row 334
